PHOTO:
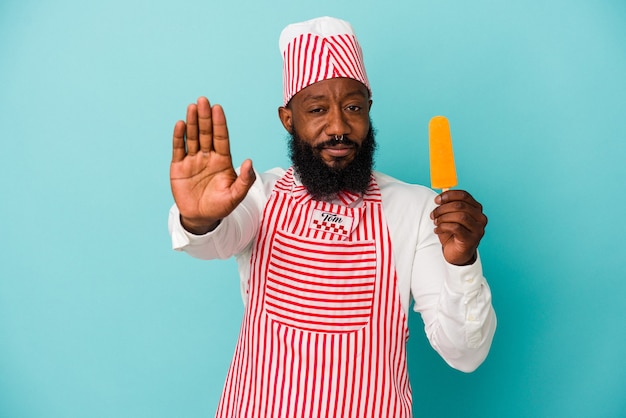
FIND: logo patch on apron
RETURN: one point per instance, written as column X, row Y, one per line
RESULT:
column 331, row 222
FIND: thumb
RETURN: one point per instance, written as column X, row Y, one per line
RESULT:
column 244, row 181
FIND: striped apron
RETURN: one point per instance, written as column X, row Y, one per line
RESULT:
column 324, row 333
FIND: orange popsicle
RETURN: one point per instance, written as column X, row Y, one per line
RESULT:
column 442, row 170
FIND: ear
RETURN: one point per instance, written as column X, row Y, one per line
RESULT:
column 286, row 117
column 370, row 102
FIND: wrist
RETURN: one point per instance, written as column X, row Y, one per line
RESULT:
column 471, row 260
column 198, row 227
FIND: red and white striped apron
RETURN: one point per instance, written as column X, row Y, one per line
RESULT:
column 324, row 333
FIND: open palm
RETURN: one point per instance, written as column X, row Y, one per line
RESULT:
column 204, row 183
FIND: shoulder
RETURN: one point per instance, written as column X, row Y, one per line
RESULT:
column 266, row 180
column 393, row 190
column 273, row 175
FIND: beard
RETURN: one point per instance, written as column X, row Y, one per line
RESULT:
column 324, row 182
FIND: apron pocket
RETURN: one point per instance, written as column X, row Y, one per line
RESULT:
column 320, row 286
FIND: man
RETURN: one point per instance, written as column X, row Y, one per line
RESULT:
column 330, row 253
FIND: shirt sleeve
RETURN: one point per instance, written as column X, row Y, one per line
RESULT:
column 454, row 302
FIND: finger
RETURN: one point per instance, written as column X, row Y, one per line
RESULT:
column 457, row 246
column 456, row 206
column 205, row 125
column 192, row 129
column 460, row 224
column 460, row 213
column 178, row 142
column 244, row 181
column 457, row 195
column 221, row 143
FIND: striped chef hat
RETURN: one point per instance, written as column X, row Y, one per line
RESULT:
column 317, row 50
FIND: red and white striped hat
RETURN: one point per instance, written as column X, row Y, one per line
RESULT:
column 317, row 50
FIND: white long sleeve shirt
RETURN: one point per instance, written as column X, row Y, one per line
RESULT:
column 454, row 301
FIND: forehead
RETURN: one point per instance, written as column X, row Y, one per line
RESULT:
column 332, row 89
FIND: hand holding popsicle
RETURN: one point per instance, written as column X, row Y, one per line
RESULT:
column 459, row 219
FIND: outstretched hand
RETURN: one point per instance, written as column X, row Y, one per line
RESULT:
column 460, row 224
column 204, row 183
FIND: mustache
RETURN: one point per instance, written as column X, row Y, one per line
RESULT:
column 334, row 141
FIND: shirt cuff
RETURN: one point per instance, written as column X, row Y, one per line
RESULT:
column 181, row 238
column 465, row 279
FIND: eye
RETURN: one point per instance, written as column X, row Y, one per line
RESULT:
column 354, row 108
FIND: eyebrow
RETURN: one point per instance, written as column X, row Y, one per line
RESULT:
column 322, row 96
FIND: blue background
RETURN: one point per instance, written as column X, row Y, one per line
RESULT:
column 100, row 318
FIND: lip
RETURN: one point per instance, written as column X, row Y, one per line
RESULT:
column 338, row 151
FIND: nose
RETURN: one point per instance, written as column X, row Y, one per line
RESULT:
column 336, row 123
